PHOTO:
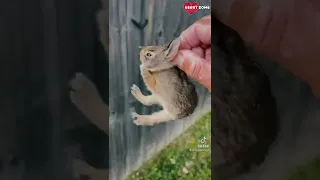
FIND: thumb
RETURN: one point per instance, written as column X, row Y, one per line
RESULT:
column 194, row 66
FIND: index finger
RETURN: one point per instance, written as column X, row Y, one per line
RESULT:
column 197, row 34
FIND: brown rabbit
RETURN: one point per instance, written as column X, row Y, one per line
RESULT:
column 244, row 123
column 169, row 86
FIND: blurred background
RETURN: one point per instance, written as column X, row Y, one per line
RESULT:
column 43, row 43
column 132, row 24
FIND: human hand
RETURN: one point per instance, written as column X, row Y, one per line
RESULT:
column 194, row 56
column 287, row 31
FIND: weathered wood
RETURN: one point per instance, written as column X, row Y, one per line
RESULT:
column 131, row 145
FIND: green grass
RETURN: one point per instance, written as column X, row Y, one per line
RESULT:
column 309, row 171
column 182, row 159
column 169, row 163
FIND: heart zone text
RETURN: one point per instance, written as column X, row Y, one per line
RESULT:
column 197, row 7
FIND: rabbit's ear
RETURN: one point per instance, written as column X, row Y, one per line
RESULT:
column 172, row 49
column 141, row 47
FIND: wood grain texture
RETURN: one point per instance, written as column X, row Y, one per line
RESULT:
column 129, row 144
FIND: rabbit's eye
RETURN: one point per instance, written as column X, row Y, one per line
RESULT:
column 148, row 54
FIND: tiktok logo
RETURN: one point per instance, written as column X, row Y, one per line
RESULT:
column 203, row 140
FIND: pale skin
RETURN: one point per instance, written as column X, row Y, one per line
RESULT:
column 194, row 56
column 286, row 31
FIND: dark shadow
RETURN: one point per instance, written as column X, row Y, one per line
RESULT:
column 43, row 43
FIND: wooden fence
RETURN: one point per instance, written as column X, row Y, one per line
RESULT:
column 133, row 23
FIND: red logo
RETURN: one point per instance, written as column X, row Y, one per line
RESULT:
column 190, row 7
